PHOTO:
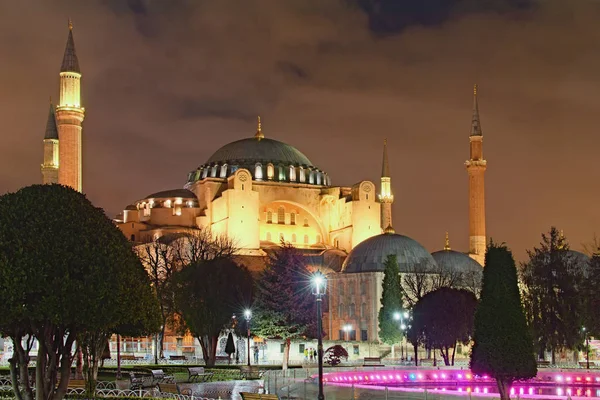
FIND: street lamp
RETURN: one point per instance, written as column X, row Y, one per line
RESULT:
column 319, row 285
column 248, row 315
column 587, row 348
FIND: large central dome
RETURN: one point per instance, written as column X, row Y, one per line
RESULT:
column 266, row 159
column 253, row 150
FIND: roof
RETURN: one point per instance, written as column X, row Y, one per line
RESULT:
column 370, row 254
column 70, row 62
column 183, row 193
column 456, row 261
column 261, row 150
column 51, row 129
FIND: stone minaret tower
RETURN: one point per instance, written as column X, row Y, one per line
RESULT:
column 69, row 116
column 386, row 198
column 476, row 166
column 50, row 165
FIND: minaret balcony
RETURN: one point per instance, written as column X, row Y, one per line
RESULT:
column 475, row 163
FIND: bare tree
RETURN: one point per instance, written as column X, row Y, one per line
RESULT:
column 199, row 245
column 592, row 247
column 422, row 278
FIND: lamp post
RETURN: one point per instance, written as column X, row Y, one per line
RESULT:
column 248, row 315
column 320, row 285
column 587, row 349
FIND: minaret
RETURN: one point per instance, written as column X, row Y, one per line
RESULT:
column 476, row 166
column 386, row 198
column 69, row 116
column 50, row 164
column 259, row 133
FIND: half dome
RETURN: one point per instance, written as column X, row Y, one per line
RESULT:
column 370, row 254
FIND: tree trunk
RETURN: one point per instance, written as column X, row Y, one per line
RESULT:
column 416, row 348
column 161, row 343
column 453, row 353
column 286, row 354
column 503, row 388
column 553, row 357
column 79, row 364
column 209, row 349
column 434, row 358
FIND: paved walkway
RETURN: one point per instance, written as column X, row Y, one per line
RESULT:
column 224, row 390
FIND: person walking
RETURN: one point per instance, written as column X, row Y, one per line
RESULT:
column 256, row 354
column 311, row 354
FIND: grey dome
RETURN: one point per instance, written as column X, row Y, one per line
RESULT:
column 370, row 254
column 253, row 150
column 456, row 261
column 183, row 193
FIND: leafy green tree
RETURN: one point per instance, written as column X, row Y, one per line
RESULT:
column 207, row 294
column 444, row 318
column 391, row 302
column 591, row 296
column 284, row 307
column 502, row 345
column 65, row 275
column 551, row 282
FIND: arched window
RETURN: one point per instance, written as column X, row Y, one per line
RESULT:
column 311, row 177
column 281, row 173
column 351, row 288
column 269, row 217
column 223, row 171
column 341, row 288
column 351, row 309
column 269, row 236
column 292, row 173
column 363, row 310
column 318, row 238
column 281, row 215
column 258, row 173
column 363, row 287
column 204, row 173
column 319, row 176
column 213, row 172
column 133, row 238
column 305, row 222
column 302, row 174
column 270, row 171
column 305, row 239
column 294, row 238
column 341, row 310
column 293, row 218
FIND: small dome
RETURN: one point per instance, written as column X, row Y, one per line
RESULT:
column 370, row 254
column 456, row 261
column 183, row 193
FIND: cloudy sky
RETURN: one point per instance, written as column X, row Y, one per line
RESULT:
column 166, row 83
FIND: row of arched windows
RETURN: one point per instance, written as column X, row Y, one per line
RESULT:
column 280, row 173
column 350, row 311
column 281, row 217
column 351, row 285
column 294, row 238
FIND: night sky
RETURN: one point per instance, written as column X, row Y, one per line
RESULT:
column 166, row 83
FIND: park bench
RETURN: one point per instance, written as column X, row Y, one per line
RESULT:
column 140, row 382
column 159, row 376
column 177, row 358
column 196, row 374
column 583, row 364
column 173, row 388
column 543, row 363
column 372, row 362
column 129, row 357
column 76, row 384
column 251, row 372
column 258, row 396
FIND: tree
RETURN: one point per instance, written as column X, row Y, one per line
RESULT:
column 284, row 306
column 444, row 318
column 160, row 259
column 207, row 294
column 229, row 347
column 551, row 281
column 591, row 297
column 65, row 269
column 502, row 345
column 391, row 302
column 422, row 278
column 334, row 354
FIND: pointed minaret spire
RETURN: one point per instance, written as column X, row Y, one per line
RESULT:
column 386, row 198
column 70, row 62
column 385, row 167
column 51, row 129
column 476, row 123
column 259, row 133
column 447, row 243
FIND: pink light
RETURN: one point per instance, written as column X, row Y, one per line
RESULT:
column 443, row 376
column 578, row 379
column 468, row 390
column 384, row 378
column 460, row 389
column 377, row 376
column 459, row 376
column 477, row 390
column 391, row 377
column 512, row 390
column 469, row 376
column 559, row 392
column 485, row 390
column 530, row 391
column 559, row 378
column 521, row 391
column 568, row 391
column 360, row 378
column 420, row 376
column 588, row 379
column 398, row 377
column 568, row 379
column 435, row 376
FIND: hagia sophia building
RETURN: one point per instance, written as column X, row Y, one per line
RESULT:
column 259, row 191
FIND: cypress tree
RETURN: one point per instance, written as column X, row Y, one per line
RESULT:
column 502, row 346
column 391, row 302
